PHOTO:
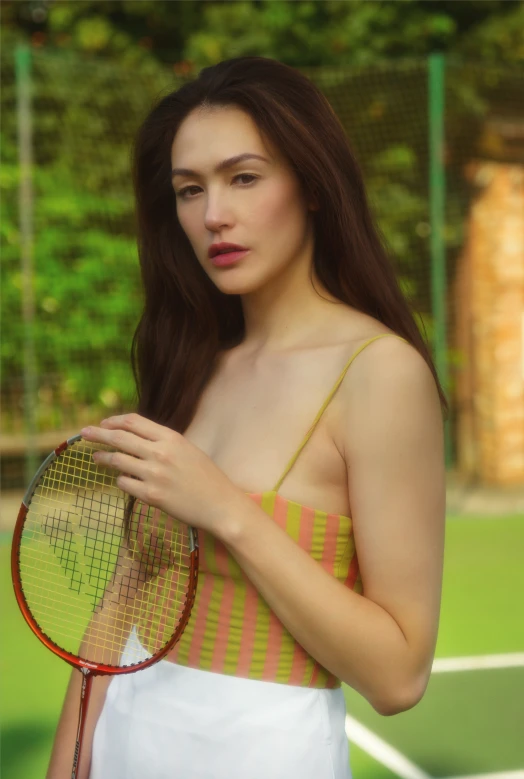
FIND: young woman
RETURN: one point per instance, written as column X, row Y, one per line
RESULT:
column 288, row 408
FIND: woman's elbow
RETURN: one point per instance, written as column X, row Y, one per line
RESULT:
column 401, row 699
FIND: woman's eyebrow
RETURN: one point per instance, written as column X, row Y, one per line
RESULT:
column 221, row 165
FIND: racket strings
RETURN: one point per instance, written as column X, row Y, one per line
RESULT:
column 96, row 572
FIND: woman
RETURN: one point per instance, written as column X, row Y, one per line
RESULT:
column 315, row 569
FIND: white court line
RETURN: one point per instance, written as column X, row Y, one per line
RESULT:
column 496, row 775
column 382, row 752
column 390, row 757
column 478, row 662
column 401, row 766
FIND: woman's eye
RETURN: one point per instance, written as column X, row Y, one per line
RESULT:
column 183, row 192
column 245, row 176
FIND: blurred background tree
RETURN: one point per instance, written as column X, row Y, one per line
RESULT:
column 303, row 33
column 98, row 66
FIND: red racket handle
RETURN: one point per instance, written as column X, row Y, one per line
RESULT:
column 84, row 702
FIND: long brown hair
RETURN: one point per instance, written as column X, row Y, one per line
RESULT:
column 186, row 320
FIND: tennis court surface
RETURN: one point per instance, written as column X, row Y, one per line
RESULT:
column 470, row 722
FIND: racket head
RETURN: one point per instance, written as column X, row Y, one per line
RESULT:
column 103, row 580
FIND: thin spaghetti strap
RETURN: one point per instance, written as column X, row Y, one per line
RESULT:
column 326, row 403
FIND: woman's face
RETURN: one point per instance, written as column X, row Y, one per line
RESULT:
column 256, row 203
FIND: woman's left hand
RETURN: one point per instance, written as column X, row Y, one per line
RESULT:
column 170, row 473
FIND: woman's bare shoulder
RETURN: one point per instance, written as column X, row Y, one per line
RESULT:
column 355, row 328
column 377, row 362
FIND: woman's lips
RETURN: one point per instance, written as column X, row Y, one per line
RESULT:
column 228, row 258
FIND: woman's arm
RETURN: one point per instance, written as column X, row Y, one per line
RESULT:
column 112, row 617
column 381, row 642
column 61, row 761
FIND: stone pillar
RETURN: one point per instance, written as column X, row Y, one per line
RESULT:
column 489, row 306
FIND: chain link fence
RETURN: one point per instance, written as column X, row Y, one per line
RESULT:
column 71, row 294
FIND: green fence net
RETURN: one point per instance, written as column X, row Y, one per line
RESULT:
column 84, row 271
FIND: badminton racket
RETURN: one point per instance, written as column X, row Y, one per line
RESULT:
column 95, row 569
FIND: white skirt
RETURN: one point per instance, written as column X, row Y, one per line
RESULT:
column 174, row 722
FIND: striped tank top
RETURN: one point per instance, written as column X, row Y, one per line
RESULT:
column 232, row 630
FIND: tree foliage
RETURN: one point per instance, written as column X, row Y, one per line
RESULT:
column 98, row 66
column 302, row 33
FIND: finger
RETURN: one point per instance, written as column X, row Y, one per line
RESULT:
column 132, row 487
column 139, row 425
column 122, row 462
column 119, row 439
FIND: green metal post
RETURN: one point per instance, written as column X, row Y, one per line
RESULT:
column 437, row 196
column 25, row 157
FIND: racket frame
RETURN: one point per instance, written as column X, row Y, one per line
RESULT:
column 88, row 669
column 74, row 660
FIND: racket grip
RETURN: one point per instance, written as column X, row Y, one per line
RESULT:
column 84, row 702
